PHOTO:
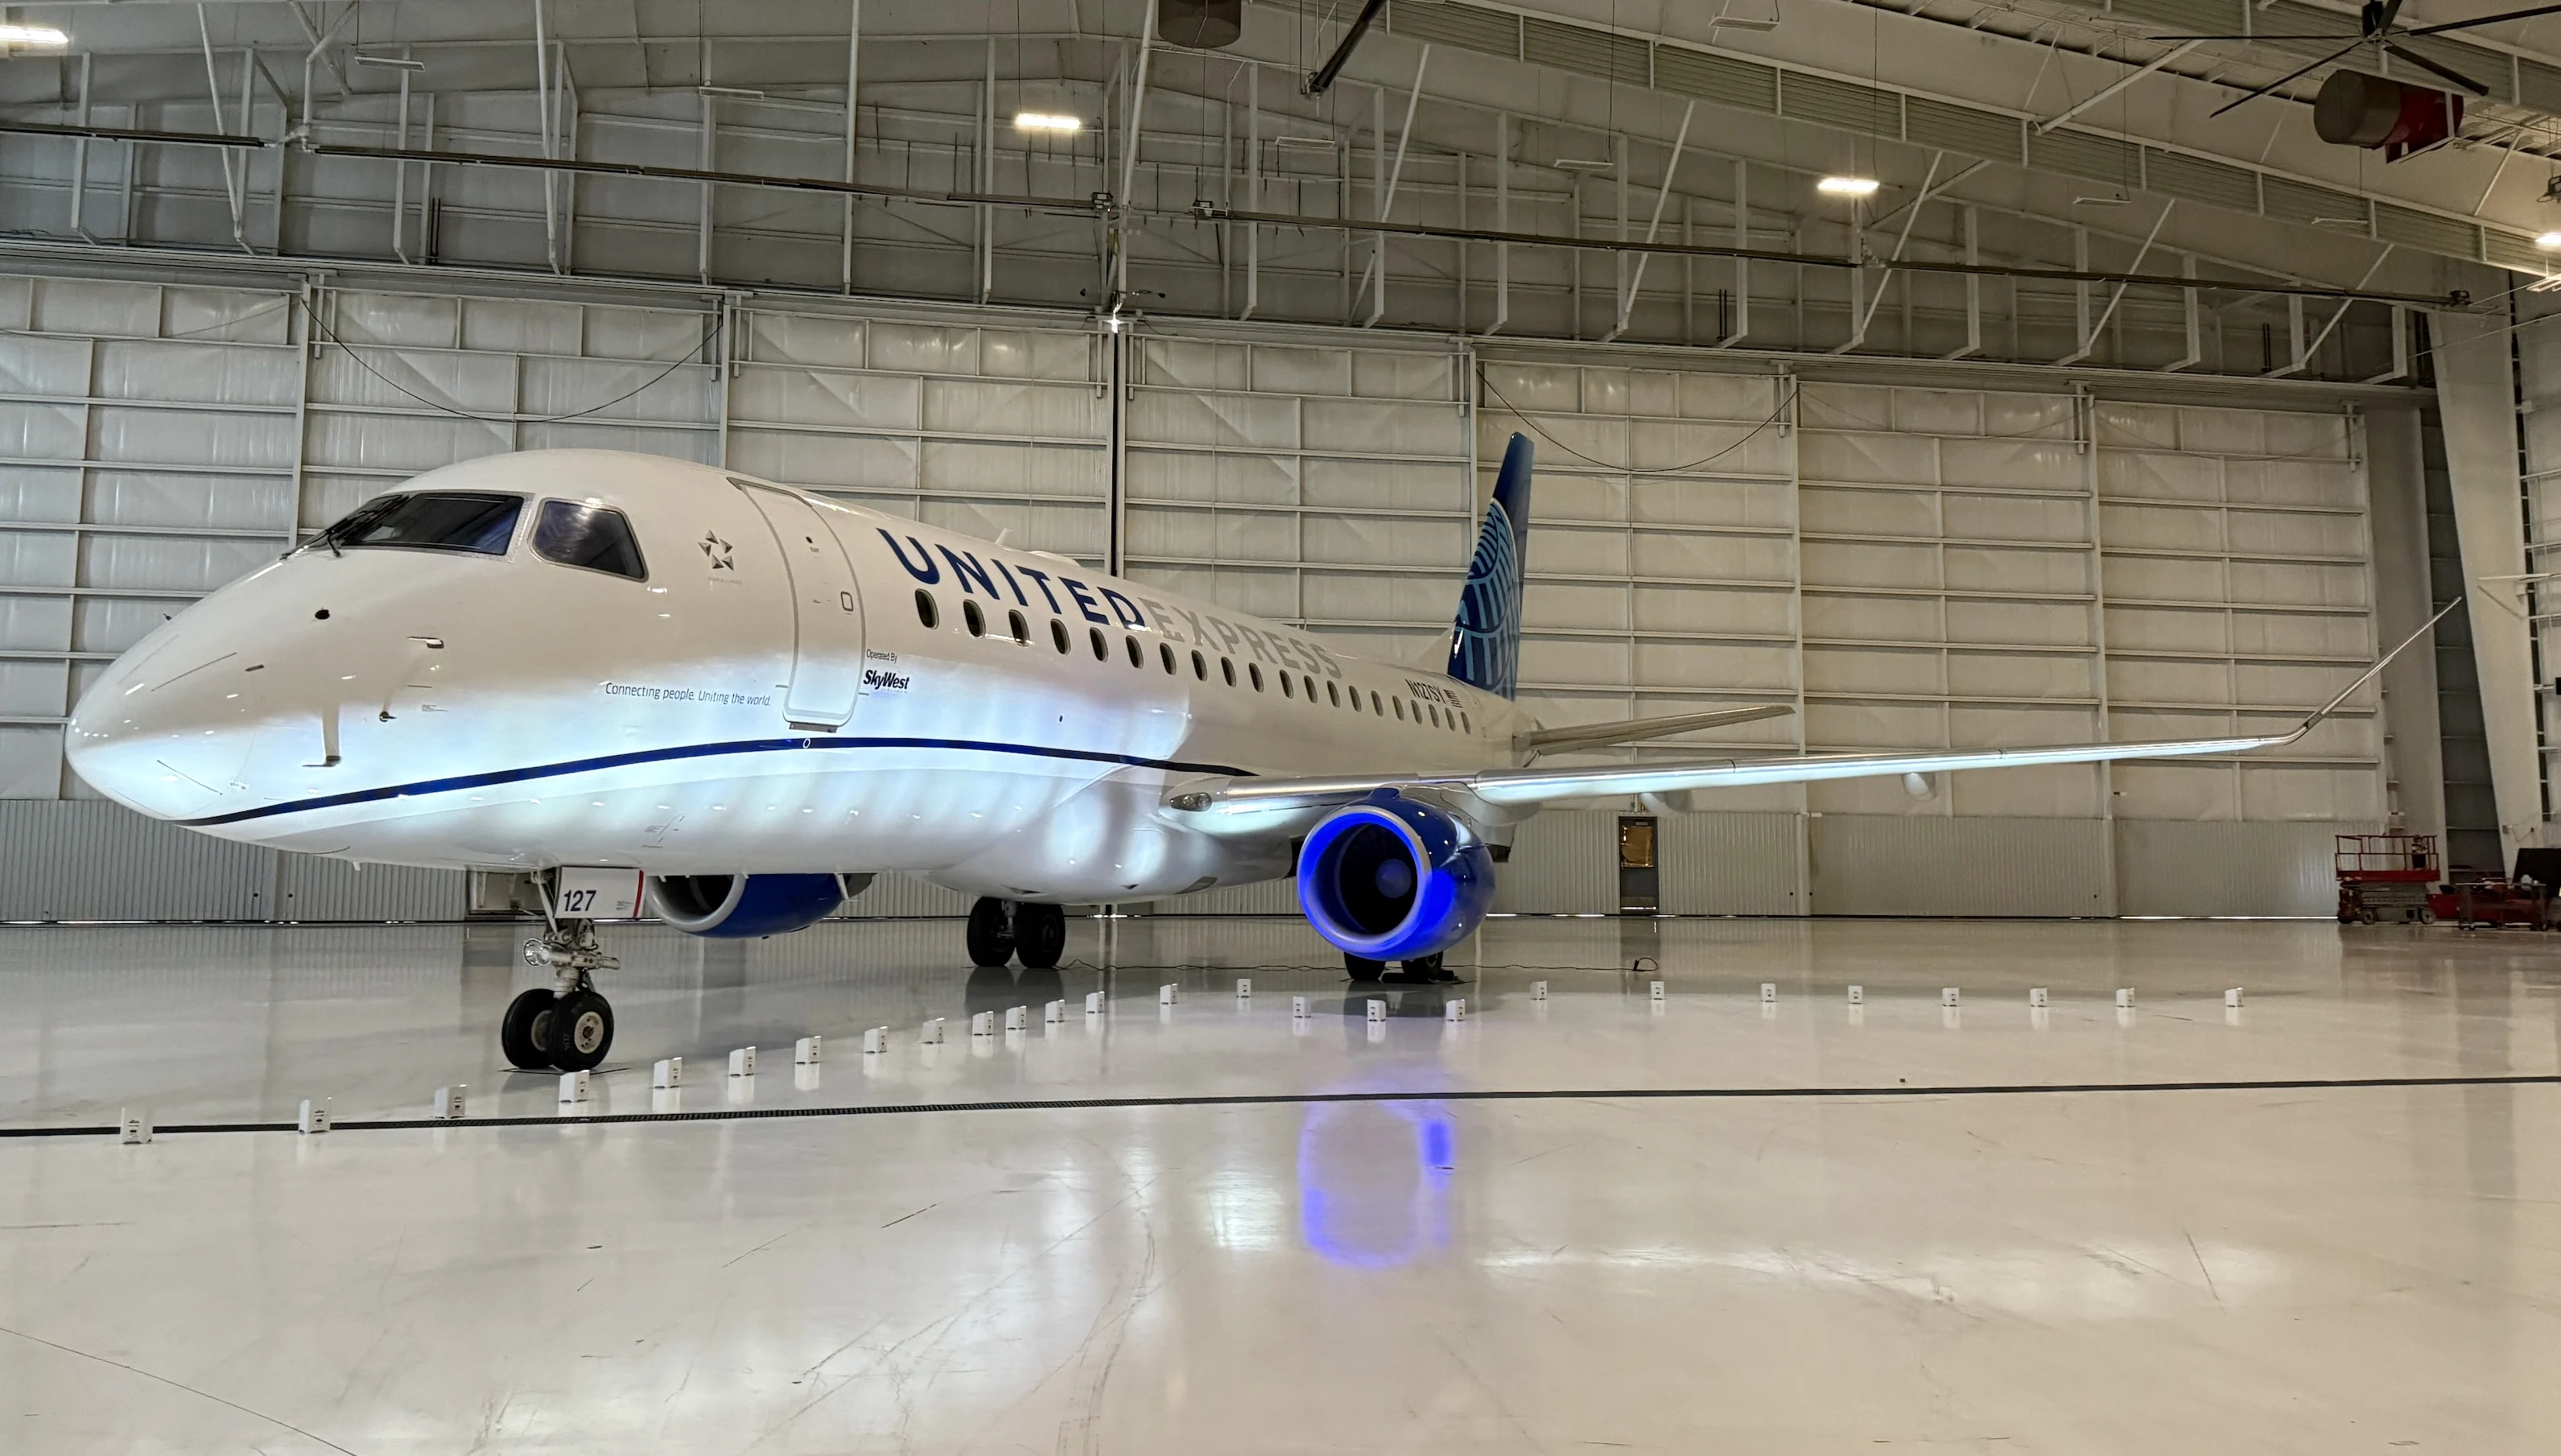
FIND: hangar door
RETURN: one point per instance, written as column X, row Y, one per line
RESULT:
column 1918, row 566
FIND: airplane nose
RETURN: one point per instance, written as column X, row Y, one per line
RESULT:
column 167, row 730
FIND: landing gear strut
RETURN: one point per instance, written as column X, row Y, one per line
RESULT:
column 1003, row 930
column 569, row 1028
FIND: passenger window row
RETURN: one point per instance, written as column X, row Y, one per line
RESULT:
column 1292, row 685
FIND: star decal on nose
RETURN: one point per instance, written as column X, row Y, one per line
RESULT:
column 716, row 551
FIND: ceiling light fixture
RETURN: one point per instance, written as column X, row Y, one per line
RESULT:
column 391, row 62
column 33, row 37
column 1584, row 164
column 1047, row 122
column 2118, row 201
column 1846, row 186
column 1303, row 143
column 2549, row 240
column 738, row 92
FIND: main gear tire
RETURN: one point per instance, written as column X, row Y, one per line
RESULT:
column 1039, row 936
column 991, row 935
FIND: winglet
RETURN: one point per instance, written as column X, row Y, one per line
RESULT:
column 2370, row 673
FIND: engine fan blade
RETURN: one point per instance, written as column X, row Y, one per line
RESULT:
column 2296, row 75
column 2424, row 63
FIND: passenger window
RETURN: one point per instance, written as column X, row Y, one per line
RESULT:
column 1226, row 668
column 1333, row 696
column 925, row 609
column 1466, row 723
column 1400, row 708
column 1377, row 708
column 596, row 537
column 972, row 619
column 1286, row 690
column 1057, row 633
column 1165, row 653
column 1138, row 655
column 1434, row 712
column 1254, row 671
column 1021, row 629
column 1200, row 666
column 1101, row 648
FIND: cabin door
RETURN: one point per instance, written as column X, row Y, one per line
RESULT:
column 826, row 612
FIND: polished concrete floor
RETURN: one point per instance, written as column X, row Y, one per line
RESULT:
column 2010, row 1236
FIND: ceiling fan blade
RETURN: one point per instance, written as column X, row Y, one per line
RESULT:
column 2383, row 22
column 2455, row 24
column 2283, row 79
column 2332, row 36
column 2424, row 63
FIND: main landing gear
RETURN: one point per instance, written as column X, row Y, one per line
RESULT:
column 1005, row 930
column 569, row 1028
column 1421, row 968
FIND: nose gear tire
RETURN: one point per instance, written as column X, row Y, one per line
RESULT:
column 1040, row 935
column 525, row 1031
column 582, row 1031
column 992, row 936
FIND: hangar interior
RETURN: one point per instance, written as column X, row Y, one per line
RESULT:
column 2100, row 414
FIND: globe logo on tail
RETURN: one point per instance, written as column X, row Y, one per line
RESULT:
column 1486, row 647
column 1484, row 641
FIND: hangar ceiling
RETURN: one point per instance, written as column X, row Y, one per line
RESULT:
column 2039, row 135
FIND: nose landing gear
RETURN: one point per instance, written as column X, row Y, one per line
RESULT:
column 1004, row 930
column 569, row 1028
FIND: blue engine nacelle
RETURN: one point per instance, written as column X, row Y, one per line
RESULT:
column 739, row 906
column 1390, row 879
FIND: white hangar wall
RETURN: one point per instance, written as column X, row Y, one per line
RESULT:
column 1903, row 557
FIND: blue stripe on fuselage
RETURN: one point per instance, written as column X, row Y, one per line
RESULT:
column 692, row 751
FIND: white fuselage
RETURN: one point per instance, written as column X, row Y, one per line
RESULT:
column 769, row 700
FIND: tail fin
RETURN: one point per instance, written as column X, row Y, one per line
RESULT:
column 1484, row 646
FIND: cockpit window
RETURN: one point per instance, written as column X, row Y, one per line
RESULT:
column 597, row 537
column 440, row 520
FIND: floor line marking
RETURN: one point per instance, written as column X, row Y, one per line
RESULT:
column 1301, row 1099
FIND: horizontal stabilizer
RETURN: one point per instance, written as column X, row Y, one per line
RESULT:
column 1639, row 730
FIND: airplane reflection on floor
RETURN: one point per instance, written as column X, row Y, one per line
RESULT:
column 1374, row 1182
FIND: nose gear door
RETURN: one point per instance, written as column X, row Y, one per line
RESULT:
column 826, row 613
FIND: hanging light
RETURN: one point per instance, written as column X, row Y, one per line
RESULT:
column 1050, row 121
column 32, row 38
column 2549, row 240
column 1846, row 186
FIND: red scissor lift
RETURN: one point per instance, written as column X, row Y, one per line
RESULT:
column 2386, row 877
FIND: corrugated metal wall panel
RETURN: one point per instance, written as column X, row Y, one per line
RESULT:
column 312, row 888
column 2228, row 868
column 1563, row 863
column 1728, row 863
column 1891, row 864
column 87, row 859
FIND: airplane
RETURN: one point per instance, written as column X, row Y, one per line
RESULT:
column 753, row 700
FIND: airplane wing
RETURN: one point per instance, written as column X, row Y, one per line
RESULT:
column 1261, row 801
column 1636, row 730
